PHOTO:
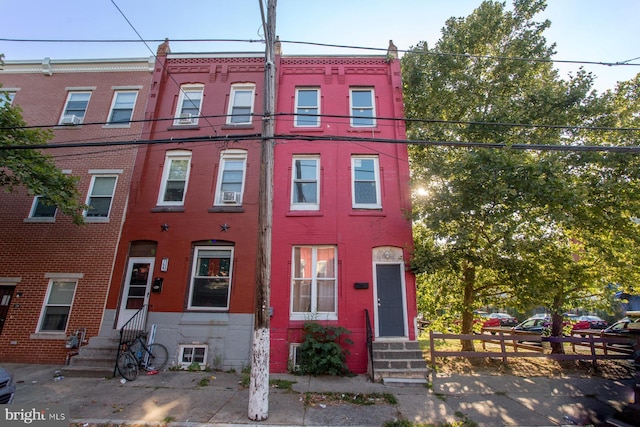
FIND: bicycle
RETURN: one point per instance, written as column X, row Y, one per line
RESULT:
column 137, row 355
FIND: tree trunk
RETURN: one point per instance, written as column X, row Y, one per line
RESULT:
column 468, row 277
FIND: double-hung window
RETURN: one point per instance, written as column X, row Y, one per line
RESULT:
column 314, row 282
column 75, row 108
column 241, row 104
column 307, row 107
column 42, row 209
column 122, row 106
column 175, row 177
column 100, row 196
column 305, row 181
column 57, row 306
column 365, row 182
column 189, row 105
column 362, row 107
column 7, row 96
column 231, row 175
column 211, row 278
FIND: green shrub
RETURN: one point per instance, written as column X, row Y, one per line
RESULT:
column 321, row 350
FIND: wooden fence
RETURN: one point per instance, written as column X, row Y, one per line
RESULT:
column 521, row 344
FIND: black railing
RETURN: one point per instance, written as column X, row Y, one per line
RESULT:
column 131, row 330
column 369, row 343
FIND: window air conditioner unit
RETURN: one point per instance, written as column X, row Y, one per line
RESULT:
column 230, row 197
column 186, row 119
column 71, row 119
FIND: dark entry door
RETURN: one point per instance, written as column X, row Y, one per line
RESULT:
column 390, row 302
column 6, row 292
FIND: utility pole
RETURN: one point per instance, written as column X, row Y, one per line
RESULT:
column 259, row 387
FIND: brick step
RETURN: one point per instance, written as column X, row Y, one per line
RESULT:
column 398, row 354
column 399, row 364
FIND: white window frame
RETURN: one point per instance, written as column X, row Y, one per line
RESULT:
column 170, row 157
column 376, row 169
column 313, row 277
column 194, row 267
column 114, row 103
column 241, row 87
column 46, row 304
column 90, row 195
column 187, row 93
column 66, row 112
column 186, row 364
column 371, row 108
column 34, row 206
column 304, row 109
column 10, row 92
column 294, row 180
column 227, row 156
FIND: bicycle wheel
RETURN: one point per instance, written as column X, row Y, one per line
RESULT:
column 156, row 357
column 127, row 366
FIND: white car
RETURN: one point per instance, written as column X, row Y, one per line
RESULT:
column 7, row 387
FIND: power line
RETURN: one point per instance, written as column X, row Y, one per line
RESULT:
column 340, row 46
column 337, row 138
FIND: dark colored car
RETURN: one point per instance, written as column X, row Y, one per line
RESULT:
column 499, row 319
column 589, row 322
column 7, row 387
column 535, row 325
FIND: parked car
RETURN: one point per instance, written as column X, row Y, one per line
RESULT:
column 589, row 322
column 499, row 319
column 7, row 387
column 621, row 326
column 534, row 325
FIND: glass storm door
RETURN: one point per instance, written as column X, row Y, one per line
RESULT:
column 136, row 288
column 6, row 292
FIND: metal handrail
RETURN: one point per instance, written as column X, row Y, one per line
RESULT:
column 369, row 342
column 135, row 327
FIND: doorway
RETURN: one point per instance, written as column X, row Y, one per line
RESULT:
column 137, row 287
column 390, row 296
column 6, row 293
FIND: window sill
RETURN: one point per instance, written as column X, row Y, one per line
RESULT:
column 62, row 336
column 48, row 220
column 304, row 213
column 238, row 126
column 306, row 129
column 363, row 129
column 367, row 212
column 226, row 209
column 96, row 220
column 183, row 127
column 304, row 317
column 117, row 126
column 168, row 209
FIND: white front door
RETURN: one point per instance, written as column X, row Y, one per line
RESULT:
column 136, row 290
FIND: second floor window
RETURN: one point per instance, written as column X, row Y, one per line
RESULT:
column 307, row 107
column 6, row 96
column 75, row 108
column 365, row 182
column 362, row 108
column 122, row 107
column 175, row 177
column 100, row 196
column 189, row 105
column 305, row 183
column 241, row 104
column 231, row 177
column 42, row 209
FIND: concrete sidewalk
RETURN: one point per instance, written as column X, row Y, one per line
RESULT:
column 215, row 398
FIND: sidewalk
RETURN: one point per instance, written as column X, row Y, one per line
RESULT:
column 187, row 399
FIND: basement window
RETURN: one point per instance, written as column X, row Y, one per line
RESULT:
column 192, row 355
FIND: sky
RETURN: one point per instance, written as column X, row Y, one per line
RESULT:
column 583, row 30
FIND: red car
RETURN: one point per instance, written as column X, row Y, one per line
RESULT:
column 499, row 319
column 589, row 322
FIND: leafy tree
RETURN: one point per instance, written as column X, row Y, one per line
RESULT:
column 503, row 226
column 24, row 166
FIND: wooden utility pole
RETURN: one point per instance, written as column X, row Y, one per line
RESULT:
column 259, row 387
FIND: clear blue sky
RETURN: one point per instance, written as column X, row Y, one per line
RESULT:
column 583, row 30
